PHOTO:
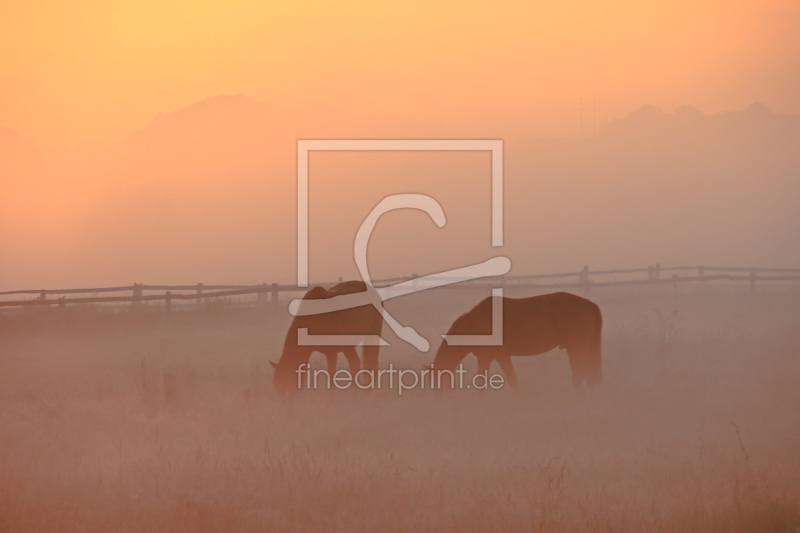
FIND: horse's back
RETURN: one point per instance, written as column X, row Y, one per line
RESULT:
column 346, row 287
column 359, row 320
column 538, row 323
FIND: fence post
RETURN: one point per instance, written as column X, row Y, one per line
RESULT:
column 168, row 302
column 137, row 294
column 43, row 295
column 674, row 284
column 62, row 302
column 199, row 300
column 584, row 279
column 752, row 280
column 658, row 271
column 701, row 273
column 274, row 294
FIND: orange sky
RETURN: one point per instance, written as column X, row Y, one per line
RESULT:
column 98, row 70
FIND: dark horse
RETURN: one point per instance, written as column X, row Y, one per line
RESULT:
column 532, row 326
column 357, row 321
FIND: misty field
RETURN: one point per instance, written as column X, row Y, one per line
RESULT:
column 122, row 421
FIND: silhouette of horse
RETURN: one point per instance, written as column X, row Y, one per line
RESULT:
column 531, row 326
column 359, row 321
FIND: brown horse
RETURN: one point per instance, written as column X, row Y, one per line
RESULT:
column 358, row 321
column 531, row 326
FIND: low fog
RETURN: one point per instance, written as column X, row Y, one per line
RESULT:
column 144, row 420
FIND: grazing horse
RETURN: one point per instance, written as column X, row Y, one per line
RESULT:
column 357, row 321
column 531, row 326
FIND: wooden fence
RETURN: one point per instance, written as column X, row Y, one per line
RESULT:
column 265, row 294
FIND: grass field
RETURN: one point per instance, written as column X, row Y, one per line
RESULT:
column 139, row 422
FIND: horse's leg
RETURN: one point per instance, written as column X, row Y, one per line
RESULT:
column 332, row 356
column 370, row 356
column 484, row 363
column 576, row 364
column 352, row 359
column 508, row 369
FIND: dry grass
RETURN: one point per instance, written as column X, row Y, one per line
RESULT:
column 134, row 423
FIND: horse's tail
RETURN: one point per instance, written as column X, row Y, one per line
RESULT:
column 595, row 350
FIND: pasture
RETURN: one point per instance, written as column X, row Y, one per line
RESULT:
column 135, row 421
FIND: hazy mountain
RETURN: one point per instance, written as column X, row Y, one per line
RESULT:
column 208, row 193
column 225, row 133
column 229, row 134
column 756, row 123
column 697, row 188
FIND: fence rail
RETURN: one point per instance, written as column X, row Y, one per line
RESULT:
column 269, row 293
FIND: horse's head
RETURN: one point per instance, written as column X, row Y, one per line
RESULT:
column 284, row 377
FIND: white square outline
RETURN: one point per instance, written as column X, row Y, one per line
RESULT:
column 304, row 146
